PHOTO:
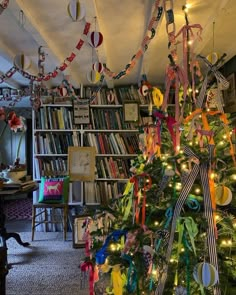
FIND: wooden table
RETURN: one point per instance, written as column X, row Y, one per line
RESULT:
column 4, row 235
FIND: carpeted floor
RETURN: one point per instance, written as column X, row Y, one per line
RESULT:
column 49, row 266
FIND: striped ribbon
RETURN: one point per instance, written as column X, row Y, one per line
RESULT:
column 203, row 168
column 219, row 78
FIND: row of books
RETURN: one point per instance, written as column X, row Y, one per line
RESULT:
column 102, row 192
column 113, row 143
column 55, row 143
column 117, row 96
column 109, row 119
column 50, row 167
column 109, row 167
column 50, row 117
column 107, row 191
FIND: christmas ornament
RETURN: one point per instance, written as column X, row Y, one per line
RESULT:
column 223, row 195
column 157, row 97
column 93, row 76
column 143, row 90
column 95, row 39
column 205, row 274
column 22, row 61
column 213, row 57
column 148, row 253
column 98, row 67
column 180, row 290
column 75, row 10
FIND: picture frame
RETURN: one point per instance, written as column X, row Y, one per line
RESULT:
column 230, row 94
column 78, row 230
column 131, row 111
column 81, row 113
column 81, row 163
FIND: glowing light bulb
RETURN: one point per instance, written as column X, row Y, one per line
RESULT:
column 221, row 142
column 212, row 175
column 184, row 166
column 223, row 242
column 197, row 190
column 156, row 223
column 196, row 91
column 171, row 260
column 224, row 136
column 190, row 42
column 229, row 242
column 233, row 176
column 169, row 167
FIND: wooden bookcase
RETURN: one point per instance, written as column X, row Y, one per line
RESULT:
column 116, row 143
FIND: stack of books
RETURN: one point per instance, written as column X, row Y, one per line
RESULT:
column 22, row 186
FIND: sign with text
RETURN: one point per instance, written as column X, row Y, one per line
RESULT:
column 81, row 114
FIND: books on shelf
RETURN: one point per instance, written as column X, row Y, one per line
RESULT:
column 23, row 186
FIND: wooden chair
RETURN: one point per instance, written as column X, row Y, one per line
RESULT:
column 41, row 215
column 48, row 210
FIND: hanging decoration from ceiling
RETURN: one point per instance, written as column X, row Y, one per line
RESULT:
column 151, row 31
column 22, row 61
column 76, row 10
column 52, row 74
column 98, row 66
column 3, row 5
column 95, row 39
column 93, row 76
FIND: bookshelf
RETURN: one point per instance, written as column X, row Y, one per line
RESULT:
column 116, row 143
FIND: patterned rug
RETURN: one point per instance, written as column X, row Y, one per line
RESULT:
column 18, row 209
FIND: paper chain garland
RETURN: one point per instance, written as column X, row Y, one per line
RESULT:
column 4, row 4
column 155, row 20
column 52, row 74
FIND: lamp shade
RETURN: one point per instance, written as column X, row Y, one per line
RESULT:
column 22, row 61
column 75, row 10
column 95, row 39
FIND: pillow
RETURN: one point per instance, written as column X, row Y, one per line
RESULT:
column 54, row 190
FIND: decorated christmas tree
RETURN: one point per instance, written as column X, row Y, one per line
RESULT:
column 173, row 229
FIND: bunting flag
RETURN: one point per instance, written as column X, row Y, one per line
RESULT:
column 52, row 74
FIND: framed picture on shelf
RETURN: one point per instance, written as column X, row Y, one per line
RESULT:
column 131, row 111
column 81, row 163
column 230, row 95
column 81, row 113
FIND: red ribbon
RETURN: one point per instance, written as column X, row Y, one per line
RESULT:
column 147, row 186
column 88, row 266
column 170, row 122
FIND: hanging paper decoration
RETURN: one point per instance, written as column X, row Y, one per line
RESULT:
column 157, row 97
column 22, row 61
column 223, row 195
column 180, row 290
column 205, row 274
column 75, row 10
column 143, row 90
column 3, row 5
column 93, row 77
column 98, row 67
column 213, row 57
column 95, row 39
column 54, row 73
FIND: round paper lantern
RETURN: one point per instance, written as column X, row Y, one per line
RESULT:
column 157, row 97
column 223, row 195
column 110, row 96
column 180, row 290
column 95, row 39
column 93, row 76
column 63, row 91
column 98, row 67
column 75, row 10
column 205, row 274
column 143, row 90
column 213, row 57
column 22, row 61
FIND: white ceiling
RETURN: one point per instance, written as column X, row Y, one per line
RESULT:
column 27, row 24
